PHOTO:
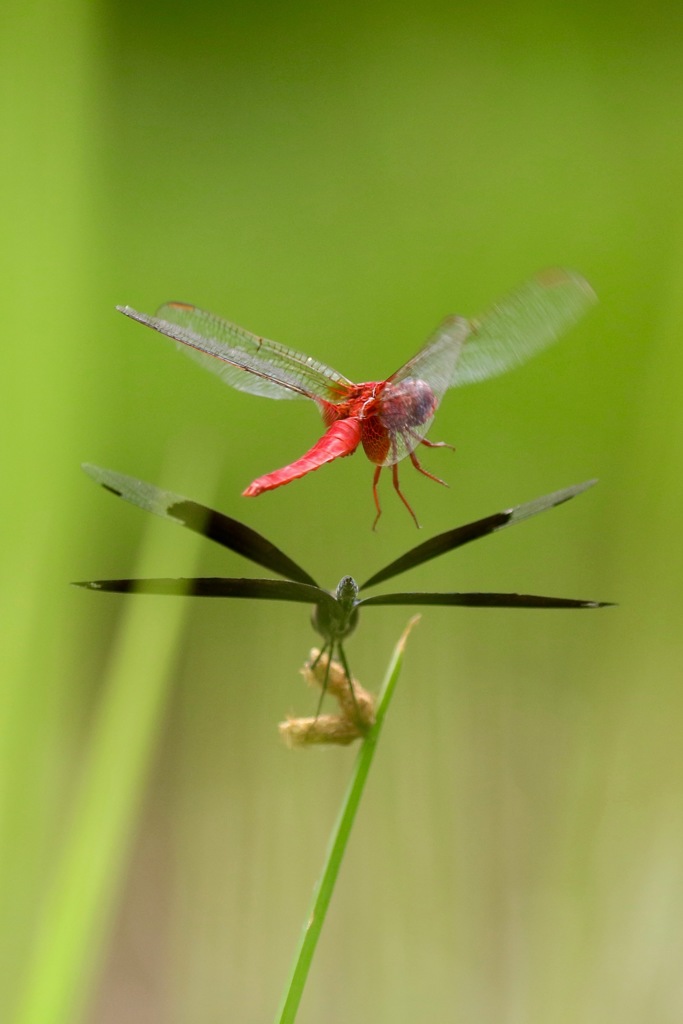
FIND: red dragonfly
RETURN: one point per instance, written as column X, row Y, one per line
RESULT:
column 391, row 417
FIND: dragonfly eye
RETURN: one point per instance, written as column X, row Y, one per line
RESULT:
column 408, row 404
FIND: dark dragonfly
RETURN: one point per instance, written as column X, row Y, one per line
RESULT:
column 335, row 613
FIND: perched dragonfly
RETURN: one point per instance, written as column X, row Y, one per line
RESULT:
column 391, row 417
column 335, row 613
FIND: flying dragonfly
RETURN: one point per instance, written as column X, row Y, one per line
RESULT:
column 335, row 613
column 389, row 418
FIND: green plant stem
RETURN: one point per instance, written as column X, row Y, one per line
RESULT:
column 338, row 841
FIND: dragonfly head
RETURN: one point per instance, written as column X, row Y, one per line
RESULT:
column 338, row 622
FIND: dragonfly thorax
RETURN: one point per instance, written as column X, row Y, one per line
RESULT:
column 408, row 404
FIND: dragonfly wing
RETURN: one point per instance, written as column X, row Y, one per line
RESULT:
column 483, row 600
column 243, row 360
column 411, row 396
column 522, row 324
column 211, row 586
column 203, row 520
column 452, row 539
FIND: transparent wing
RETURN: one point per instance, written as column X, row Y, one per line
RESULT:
column 522, row 324
column 243, row 360
column 412, row 395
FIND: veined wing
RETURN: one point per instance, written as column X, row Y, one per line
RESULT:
column 243, row 360
column 412, row 395
column 522, row 324
column 436, row 359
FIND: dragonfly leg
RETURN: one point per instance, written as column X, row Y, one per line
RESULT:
column 437, row 444
column 394, row 474
column 416, row 462
column 414, row 436
column 375, row 495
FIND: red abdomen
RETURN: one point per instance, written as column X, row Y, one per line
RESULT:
column 340, row 439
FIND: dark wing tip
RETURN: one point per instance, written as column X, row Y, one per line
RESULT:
column 176, row 304
column 552, row 277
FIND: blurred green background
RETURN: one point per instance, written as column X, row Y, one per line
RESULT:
column 339, row 178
